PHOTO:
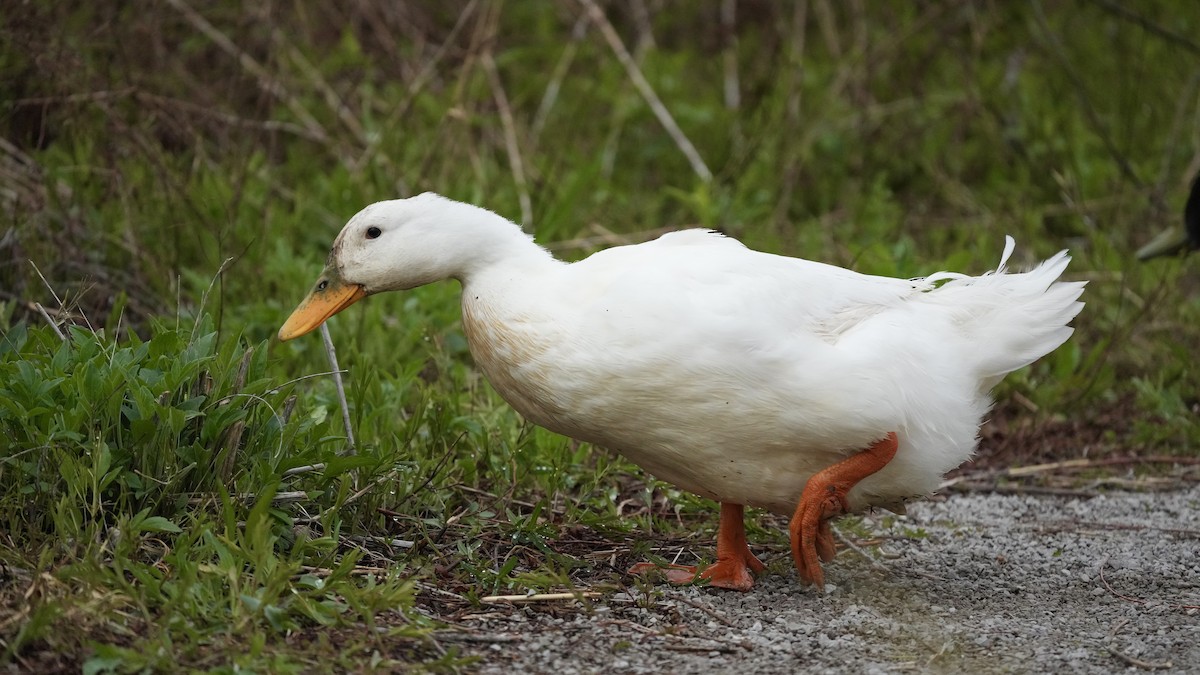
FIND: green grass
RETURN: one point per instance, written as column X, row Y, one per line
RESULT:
column 180, row 205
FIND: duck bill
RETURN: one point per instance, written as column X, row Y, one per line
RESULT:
column 1168, row 242
column 330, row 296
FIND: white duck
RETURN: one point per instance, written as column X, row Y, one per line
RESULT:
column 748, row 378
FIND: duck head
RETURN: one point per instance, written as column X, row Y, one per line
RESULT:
column 1173, row 240
column 390, row 245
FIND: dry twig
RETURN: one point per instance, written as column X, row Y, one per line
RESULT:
column 53, row 324
column 643, row 86
column 515, row 163
column 538, row 597
column 287, row 496
column 268, row 83
column 708, row 610
column 341, row 390
column 304, row 469
column 1095, row 463
column 1018, row 489
column 979, row 481
column 487, row 638
column 556, row 79
column 1148, row 25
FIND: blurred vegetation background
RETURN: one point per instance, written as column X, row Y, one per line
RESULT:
column 172, row 174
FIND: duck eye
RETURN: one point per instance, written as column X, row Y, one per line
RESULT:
column 323, row 285
column 373, row 232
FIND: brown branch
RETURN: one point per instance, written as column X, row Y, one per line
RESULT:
column 513, row 149
column 1148, row 25
column 1020, row 490
column 1070, row 464
column 1094, row 463
column 265, row 81
column 554, row 86
column 643, row 86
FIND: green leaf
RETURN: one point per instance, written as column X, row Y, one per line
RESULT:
column 338, row 465
column 158, row 524
column 109, row 662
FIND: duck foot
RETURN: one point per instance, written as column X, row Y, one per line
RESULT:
column 735, row 566
column 823, row 498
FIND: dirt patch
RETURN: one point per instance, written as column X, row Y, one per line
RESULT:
column 1011, row 436
column 972, row 583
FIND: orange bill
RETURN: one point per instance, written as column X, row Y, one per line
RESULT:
column 1168, row 242
column 330, row 296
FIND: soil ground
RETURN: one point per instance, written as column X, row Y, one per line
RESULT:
column 977, row 582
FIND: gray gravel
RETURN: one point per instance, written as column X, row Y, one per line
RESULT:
column 971, row 583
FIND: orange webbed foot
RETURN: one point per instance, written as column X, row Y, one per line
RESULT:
column 735, row 566
column 812, row 537
column 735, row 573
column 824, row 497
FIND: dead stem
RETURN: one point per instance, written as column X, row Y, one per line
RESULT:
column 265, row 81
column 336, row 371
column 550, row 97
column 538, row 597
column 643, row 86
column 53, row 324
column 515, row 163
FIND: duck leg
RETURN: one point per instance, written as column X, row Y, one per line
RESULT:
column 735, row 563
column 823, row 498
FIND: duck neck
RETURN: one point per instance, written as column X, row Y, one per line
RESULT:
column 499, row 245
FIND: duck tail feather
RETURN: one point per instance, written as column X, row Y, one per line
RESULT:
column 1029, row 317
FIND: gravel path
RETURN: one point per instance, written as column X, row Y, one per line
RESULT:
column 972, row 583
